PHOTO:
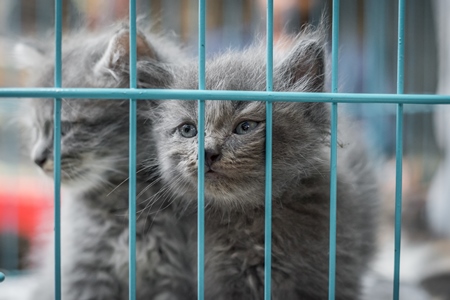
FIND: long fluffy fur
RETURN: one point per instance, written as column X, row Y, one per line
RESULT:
column 94, row 159
column 234, row 241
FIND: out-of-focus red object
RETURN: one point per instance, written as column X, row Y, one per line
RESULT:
column 24, row 203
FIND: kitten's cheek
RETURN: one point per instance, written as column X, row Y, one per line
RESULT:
column 166, row 167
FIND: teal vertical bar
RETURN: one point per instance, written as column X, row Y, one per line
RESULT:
column 399, row 147
column 201, row 154
column 132, row 156
column 333, row 155
column 268, row 192
column 9, row 257
column 57, row 147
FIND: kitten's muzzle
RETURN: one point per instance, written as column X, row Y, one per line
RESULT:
column 46, row 166
column 41, row 159
column 211, row 156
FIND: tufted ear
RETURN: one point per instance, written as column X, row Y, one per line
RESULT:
column 304, row 67
column 117, row 55
column 303, row 70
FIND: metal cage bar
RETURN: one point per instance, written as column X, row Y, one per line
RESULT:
column 201, row 152
column 333, row 153
column 57, row 147
column 268, row 167
column 132, row 157
column 399, row 147
column 202, row 94
column 120, row 94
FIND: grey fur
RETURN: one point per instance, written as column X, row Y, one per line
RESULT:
column 94, row 159
column 234, row 194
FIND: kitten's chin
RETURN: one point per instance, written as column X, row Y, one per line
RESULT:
column 213, row 176
column 221, row 191
column 67, row 178
column 80, row 181
column 225, row 194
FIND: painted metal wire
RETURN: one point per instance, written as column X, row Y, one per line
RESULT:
column 201, row 95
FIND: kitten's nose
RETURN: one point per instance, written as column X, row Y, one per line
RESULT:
column 211, row 156
column 40, row 160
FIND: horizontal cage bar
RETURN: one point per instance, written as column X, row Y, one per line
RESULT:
column 111, row 94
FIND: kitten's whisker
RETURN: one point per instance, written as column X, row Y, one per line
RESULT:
column 150, row 198
column 154, row 198
column 153, row 219
column 169, row 202
column 157, row 196
column 174, row 195
column 126, row 179
column 111, row 169
column 143, row 169
column 311, row 164
column 118, row 186
column 146, row 188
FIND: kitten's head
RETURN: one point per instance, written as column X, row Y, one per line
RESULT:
column 94, row 132
column 235, row 131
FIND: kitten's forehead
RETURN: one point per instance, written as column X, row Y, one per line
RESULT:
column 236, row 71
column 231, row 71
column 179, row 111
column 94, row 109
column 39, row 109
column 222, row 112
column 217, row 112
column 75, row 110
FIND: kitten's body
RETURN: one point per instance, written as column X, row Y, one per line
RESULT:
column 94, row 171
column 234, row 180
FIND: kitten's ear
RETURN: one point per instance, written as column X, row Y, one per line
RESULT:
column 304, row 70
column 117, row 55
column 304, row 67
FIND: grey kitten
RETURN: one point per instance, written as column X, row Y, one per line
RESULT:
column 235, row 176
column 94, row 172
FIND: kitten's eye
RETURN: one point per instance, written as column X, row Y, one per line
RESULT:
column 187, row 130
column 65, row 128
column 245, row 127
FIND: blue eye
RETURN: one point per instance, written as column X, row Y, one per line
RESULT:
column 245, row 127
column 187, row 130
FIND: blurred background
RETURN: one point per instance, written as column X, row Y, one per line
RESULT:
column 367, row 64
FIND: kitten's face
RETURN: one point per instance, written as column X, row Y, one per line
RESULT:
column 94, row 132
column 94, row 140
column 235, row 131
column 235, row 149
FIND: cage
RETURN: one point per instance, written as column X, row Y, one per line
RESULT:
column 383, row 77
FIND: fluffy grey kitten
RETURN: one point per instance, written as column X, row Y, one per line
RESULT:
column 94, row 172
column 235, row 175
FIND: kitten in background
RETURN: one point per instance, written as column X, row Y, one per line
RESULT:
column 94, row 171
column 235, row 175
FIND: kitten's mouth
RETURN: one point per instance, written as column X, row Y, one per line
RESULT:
column 209, row 170
column 65, row 177
column 210, row 173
